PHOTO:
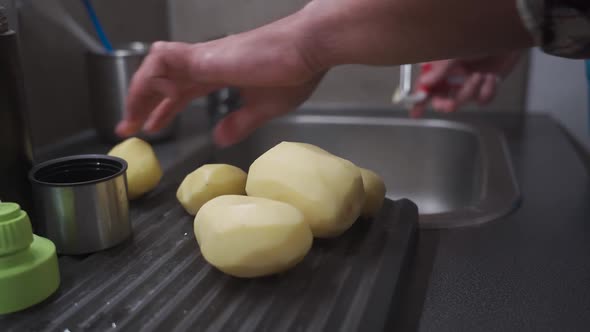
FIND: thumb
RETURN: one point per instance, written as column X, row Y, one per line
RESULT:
column 238, row 125
column 439, row 70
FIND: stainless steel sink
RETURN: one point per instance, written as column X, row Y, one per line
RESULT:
column 458, row 175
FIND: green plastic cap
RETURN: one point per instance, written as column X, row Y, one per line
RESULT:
column 16, row 233
column 29, row 271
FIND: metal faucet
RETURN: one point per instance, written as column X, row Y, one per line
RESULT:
column 222, row 102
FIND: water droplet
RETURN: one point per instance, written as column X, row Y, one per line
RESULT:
column 114, row 325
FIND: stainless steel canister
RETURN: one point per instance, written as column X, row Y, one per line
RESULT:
column 81, row 202
column 109, row 76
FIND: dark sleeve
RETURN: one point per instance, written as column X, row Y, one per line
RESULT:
column 560, row 27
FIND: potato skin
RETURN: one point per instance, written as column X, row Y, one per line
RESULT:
column 375, row 193
column 326, row 188
column 249, row 237
column 210, row 181
column 144, row 171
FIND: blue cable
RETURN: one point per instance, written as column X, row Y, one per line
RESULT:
column 97, row 26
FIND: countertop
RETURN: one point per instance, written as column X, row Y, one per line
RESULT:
column 527, row 271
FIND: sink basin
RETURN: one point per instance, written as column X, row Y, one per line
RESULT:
column 457, row 174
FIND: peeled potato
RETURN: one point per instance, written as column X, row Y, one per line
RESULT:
column 326, row 188
column 374, row 192
column 144, row 171
column 208, row 182
column 251, row 236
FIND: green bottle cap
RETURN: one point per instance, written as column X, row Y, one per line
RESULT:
column 28, row 263
column 15, row 229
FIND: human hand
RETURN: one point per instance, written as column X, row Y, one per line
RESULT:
column 480, row 79
column 267, row 65
column 277, row 66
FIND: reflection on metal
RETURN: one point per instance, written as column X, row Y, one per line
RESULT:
column 457, row 174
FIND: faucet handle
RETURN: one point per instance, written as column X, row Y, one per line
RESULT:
column 222, row 102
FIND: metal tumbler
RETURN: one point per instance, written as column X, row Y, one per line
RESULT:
column 109, row 77
column 81, row 202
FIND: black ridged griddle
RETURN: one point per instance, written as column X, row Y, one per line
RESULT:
column 158, row 281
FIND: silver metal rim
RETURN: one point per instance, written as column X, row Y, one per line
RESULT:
column 49, row 163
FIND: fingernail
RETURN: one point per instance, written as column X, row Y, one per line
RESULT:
column 148, row 127
column 121, row 129
column 128, row 128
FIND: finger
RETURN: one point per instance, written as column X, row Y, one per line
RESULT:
column 488, row 89
column 159, row 74
column 418, row 109
column 469, row 90
column 137, row 112
column 444, row 105
column 164, row 114
column 169, row 108
column 158, row 78
column 133, row 120
column 142, row 98
column 440, row 70
column 238, row 125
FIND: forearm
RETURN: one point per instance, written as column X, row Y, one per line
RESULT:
column 391, row 32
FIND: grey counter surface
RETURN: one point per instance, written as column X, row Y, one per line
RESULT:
column 528, row 271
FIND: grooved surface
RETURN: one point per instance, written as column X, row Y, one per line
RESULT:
column 158, row 281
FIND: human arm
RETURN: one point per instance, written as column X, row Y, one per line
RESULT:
column 287, row 58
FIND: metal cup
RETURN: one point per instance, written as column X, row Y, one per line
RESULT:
column 109, row 76
column 81, row 202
